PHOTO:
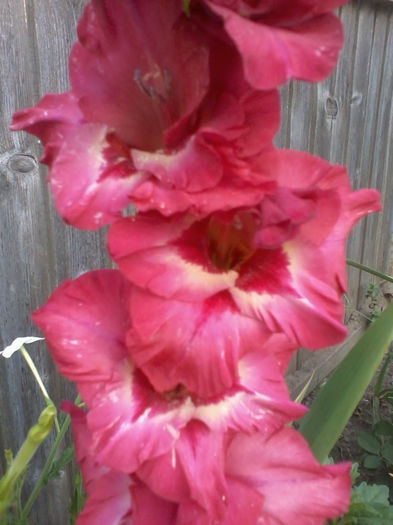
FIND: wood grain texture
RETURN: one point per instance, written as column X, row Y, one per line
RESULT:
column 346, row 119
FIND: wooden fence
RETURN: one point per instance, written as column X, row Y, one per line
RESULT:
column 346, row 119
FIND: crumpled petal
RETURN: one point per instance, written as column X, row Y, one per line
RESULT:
column 171, row 341
column 196, row 464
column 96, row 196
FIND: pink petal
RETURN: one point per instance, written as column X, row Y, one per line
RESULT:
column 131, row 423
column 196, row 166
column 196, row 460
column 128, row 420
column 243, row 507
column 108, row 492
column 272, row 55
column 280, row 11
column 91, row 173
column 296, row 489
column 231, row 191
column 108, row 502
column 260, row 373
column 84, row 322
column 262, row 110
column 149, row 509
column 303, row 323
column 51, row 110
column 97, row 196
column 49, row 120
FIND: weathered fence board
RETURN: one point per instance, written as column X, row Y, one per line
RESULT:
column 346, row 119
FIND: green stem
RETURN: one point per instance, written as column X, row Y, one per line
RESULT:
column 47, row 466
column 36, row 374
column 369, row 270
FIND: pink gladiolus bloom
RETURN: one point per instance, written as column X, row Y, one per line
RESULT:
column 157, row 113
column 265, row 479
column 85, row 324
column 279, row 40
column 236, row 277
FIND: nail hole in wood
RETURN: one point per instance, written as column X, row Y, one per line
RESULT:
column 331, row 107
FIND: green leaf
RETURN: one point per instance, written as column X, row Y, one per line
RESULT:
column 387, row 453
column 372, row 462
column 374, row 495
column 368, row 442
column 57, row 466
column 335, row 402
column 354, row 472
column 383, row 428
column 369, row 506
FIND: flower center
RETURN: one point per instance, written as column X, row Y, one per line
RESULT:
column 176, row 394
column 229, row 242
column 156, row 84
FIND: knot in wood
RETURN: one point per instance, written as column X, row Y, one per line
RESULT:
column 20, row 163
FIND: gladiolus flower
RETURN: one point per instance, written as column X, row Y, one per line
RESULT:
column 156, row 111
column 130, row 422
column 239, row 276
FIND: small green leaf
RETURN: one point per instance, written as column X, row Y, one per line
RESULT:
column 368, row 442
column 372, row 462
column 383, row 428
column 387, row 453
column 354, row 472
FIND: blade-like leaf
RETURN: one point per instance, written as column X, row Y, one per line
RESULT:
column 335, row 402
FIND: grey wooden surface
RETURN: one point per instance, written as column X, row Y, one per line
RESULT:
column 346, row 119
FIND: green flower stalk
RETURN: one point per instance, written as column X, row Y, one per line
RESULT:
column 35, row 437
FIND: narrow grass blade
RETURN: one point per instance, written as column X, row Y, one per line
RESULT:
column 335, row 402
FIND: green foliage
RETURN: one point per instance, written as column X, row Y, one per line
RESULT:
column 369, row 506
column 78, row 498
column 372, row 293
column 336, row 401
column 59, row 464
column 377, row 443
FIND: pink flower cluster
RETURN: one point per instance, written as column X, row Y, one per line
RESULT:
column 234, row 259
